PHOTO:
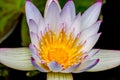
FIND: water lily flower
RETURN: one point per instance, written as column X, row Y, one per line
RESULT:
column 61, row 41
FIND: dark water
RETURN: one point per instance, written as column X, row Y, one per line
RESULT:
column 109, row 39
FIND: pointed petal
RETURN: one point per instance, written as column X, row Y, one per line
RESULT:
column 90, row 31
column 86, row 65
column 76, row 25
column 108, row 59
column 52, row 15
column 34, row 53
column 34, row 39
column 91, row 15
column 90, row 42
column 93, row 52
column 71, row 5
column 54, row 66
column 32, row 12
column 67, row 15
column 33, row 27
column 39, row 66
column 90, row 54
column 48, row 4
column 16, row 58
column 70, row 69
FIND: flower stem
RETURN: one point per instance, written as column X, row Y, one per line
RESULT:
column 59, row 76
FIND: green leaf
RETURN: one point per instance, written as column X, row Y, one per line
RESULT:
column 25, row 33
column 10, row 11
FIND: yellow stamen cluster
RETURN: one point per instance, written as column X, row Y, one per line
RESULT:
column 62, row 48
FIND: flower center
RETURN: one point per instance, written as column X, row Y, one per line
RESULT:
column 62, row 48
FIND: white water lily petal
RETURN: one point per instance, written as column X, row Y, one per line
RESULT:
column 34, row 52
column 32, row 13
column 66, row 16
column 70, row 69
column 54, row 66
column 75, row 28
column 108, row 59
column 34, row 39
column 52, row 16
column 86, row 65
column 90, row 31
column 91, row 15
column 39, row 66
column 90, row 42
column 71, row 5
column 48, row 4
column 33, row 27
column 16, row 58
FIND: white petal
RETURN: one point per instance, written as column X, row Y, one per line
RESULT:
column 86, row 65
column 90, row 42
column 52, row 16
column 33, row 27
column 108, row 59
column 90, row 31
column 76, row 25
column 91, row 53
column 48, row 4
column 34, row 39
column 71, row 5
column 67, row 14
column 16, row 58
column 54, row 66
column 32, row 12
column 35, row 55
column 91, row 15
column 39, row 66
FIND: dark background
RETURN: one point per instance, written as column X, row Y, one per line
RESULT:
column 109, row 39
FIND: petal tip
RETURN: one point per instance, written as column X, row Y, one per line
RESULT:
column 97, row 60
column 100, row 21
column 27, row 0
column 99, row 2
column 99, row 33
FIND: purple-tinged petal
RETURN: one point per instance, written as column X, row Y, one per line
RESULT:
column 52, row 16
column 33, row 27
column 32, row 12
column 86, row 66
column 66, row 15
column 70, row 69
column 34, row 53
column 16, row 58
column 70, row 3
column 76, row 25
column 48, row 4
column 34, row 39
column 54, row 66
column 108, row 60
column 39, row 66
column 90, row 42
column 90, row 31
column 91, row 53
column 91, row 15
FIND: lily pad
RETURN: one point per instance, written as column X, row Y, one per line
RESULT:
column 10, row 11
